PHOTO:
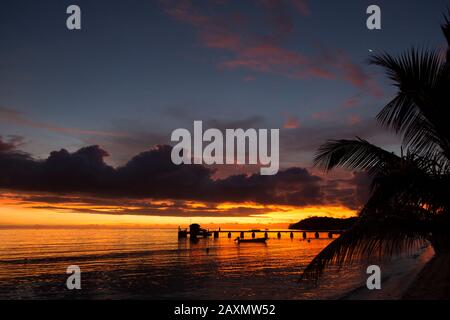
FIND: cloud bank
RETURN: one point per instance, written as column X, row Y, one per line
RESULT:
column 152, row 175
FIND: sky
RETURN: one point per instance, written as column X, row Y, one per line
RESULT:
column 86, row 115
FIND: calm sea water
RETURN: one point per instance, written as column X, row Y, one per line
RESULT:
column 153, row 264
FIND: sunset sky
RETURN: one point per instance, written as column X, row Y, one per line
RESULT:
column 86, row 116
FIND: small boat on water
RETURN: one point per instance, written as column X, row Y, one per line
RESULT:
column 257, row 240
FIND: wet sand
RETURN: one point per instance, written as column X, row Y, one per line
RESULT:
column 433, row 281
column 420, row 277
column 397, row 277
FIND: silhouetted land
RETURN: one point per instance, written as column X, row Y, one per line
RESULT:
column 323, row 223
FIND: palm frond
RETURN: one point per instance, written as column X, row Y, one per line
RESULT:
column 369, row 240
column 393, row 221
column 415, row 73
column 356, row 154
column 409, row 198
column 422, row 139
column 420, row 108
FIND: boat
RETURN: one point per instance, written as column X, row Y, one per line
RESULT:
column 257, row 240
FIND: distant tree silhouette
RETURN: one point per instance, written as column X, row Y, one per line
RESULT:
column 324, row 223
column 410, row 198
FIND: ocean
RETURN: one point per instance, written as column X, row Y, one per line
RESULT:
column 138, row 263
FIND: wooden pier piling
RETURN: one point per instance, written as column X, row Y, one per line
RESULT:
column 196, row 232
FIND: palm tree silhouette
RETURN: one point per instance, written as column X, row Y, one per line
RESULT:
column 410, row 200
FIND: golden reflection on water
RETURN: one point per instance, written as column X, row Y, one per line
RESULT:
column 152, row 263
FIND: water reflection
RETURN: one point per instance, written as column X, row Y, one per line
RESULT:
column 153, row 263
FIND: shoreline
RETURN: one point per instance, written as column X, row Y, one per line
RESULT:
column 433, row 281
column 398, row 279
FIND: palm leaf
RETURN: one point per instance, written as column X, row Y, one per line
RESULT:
column 419, row 110
column 370, row 239
column 394, row 219
column 416, row 74
column 356, row 154
column 409, row 193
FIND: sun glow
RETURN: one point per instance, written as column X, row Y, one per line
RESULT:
column 18, row 210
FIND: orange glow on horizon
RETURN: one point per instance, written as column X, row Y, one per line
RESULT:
column 13, row 211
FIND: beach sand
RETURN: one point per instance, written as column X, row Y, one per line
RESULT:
column 433, row 281
column 397, row 278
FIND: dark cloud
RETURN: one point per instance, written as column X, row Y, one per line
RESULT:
column 82, row 203
column 294, row 186
column 352, row 193
column 152, row 175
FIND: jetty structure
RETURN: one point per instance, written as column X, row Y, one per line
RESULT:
column 195, row 232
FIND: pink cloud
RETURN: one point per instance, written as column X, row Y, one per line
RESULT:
column 221, row 41
column 183, row 10
column 263, row 51
column 267, row 58
column 374, row 88
column 301, row 6
column 354, row 119
column 351, row 72
column 320, row 73
column 291, row 123
column 351, row 103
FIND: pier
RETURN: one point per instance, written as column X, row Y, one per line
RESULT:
column 195, row 232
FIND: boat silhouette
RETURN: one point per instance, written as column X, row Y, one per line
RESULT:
column 257, row 240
